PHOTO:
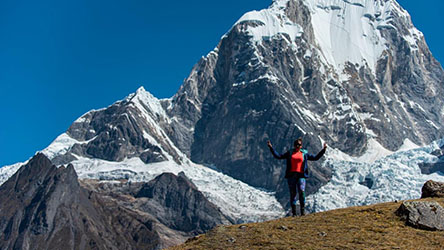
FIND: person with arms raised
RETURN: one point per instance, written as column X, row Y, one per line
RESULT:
column 297, row 171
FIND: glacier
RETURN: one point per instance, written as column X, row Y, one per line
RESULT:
column 396, row 176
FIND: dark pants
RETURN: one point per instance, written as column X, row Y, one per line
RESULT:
column 296, row 184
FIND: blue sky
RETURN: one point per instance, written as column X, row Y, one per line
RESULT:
column 60, row 59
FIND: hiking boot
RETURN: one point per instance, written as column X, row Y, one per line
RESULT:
column 293, row 210
column 302, row 211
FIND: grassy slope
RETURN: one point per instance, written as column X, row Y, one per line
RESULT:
column 367, row 227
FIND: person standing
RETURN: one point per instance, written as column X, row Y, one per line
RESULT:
column 297, row 171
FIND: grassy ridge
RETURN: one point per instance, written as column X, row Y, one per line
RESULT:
column 367, row 227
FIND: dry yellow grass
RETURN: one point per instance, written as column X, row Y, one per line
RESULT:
column 367, row 227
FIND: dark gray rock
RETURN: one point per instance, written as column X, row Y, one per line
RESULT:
column 63, row 159
column 428, row 215
column 44, row 207
column 438, row 153
column 368, row 182
column 152, row 154
column 438, row 166
column 179, row 210
column 429, row 168
column 432, row 189
column 178, row 204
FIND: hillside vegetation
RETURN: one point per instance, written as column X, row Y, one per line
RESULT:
column 367, row 227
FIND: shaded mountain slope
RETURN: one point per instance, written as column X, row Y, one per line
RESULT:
column 45, row 207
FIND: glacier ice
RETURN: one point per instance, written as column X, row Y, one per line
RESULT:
column 393, row 177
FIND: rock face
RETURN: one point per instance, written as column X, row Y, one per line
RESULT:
column 428, row 168
column 172, row 200
column 45, row 207
column 179, row 205
column 432, row 189
column 422, row 214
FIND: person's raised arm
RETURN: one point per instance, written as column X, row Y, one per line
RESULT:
column 275, row 154
column 319, row 155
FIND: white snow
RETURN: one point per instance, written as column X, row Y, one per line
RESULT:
column 433, row 124
column 143, row 97
column 407, row 145
column 270, row 24
column 374, row 151
column 367, row 116
column 307, row 113
column 267, row 76
column 60, row 146
column 346, row 32
column 8, row 171
column 81, row 119
column 235, row 198
column 415, row 105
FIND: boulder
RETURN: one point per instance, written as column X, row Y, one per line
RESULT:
column 433, row 189
column 428, row 215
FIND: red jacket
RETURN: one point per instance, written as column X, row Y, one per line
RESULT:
column 306, row 156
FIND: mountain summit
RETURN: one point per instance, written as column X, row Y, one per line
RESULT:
column 357, row 75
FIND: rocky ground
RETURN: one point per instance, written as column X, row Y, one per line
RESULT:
column 368, row 227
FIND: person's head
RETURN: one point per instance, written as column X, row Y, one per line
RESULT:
column 298, row 143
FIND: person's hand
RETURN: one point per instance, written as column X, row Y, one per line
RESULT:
column 325, row 145
column 269, row 144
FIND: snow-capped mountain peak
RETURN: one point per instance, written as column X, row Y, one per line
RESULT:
column 342, row 71
column 345, row 31
column 145, row 101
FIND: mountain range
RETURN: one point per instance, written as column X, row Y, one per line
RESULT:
column 354, row 74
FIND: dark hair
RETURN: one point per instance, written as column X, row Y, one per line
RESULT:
column 297, row 141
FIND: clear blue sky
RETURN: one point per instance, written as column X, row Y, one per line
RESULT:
column 60, row 59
